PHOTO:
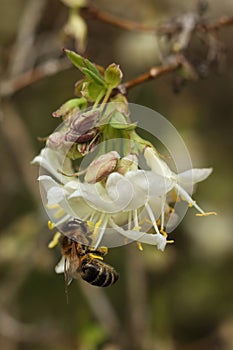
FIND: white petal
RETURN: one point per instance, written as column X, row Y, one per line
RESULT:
column 192, row 176
column 47, row 182
column 124, row 194
column 143, row 237
column 52, row 161
column 55, row 195
column 156, row 164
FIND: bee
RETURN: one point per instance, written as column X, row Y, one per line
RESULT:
column 83, row 260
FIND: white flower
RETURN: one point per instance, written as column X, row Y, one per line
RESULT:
column 181, row 183
column 123, row 200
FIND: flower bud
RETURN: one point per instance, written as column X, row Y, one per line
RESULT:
column 56, row 140
column 113, row 75
column 83, row 122
column 101, row 167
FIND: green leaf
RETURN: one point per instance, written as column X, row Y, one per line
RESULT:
column 92, row 67
column 76, row 59
column 92, row 76
column 83, row 63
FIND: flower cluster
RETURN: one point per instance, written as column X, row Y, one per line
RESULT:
column 118, row 198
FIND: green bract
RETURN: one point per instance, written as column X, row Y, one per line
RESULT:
column 113, row 75
column 69, row 106
column 118, row 121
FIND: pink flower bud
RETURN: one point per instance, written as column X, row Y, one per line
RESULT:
column 56, row 140
column 83, row 122
column 101, row 167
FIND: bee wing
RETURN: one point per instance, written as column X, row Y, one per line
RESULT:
column 69, row 266
column 72, row 265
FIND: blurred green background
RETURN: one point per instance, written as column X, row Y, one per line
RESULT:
column 177, row 300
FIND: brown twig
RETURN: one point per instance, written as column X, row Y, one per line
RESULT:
column 23, row 80
column 217, row 24
column 15, row 133
column 91, row 11
column 22, row 52
column 153, row 73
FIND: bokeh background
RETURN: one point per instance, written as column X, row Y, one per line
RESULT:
column 177, row 300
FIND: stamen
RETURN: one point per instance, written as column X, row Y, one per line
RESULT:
column 96, row 227
column 99, row 229
column 163, row 232
column 140, row 247
column 55, row 240
column 189, row 199
column 129, row 220
column 59, row 213
column 171, row 241
column 51, row 225
column 207, row 214
column 151, row 215
column 135, row 218
column 90, row 224
column 163, row 200
column 52, row 206
column 142, row 221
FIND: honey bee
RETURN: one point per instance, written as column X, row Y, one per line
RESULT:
column 83, row 260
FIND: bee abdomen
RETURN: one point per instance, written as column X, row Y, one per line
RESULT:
column 99, row 274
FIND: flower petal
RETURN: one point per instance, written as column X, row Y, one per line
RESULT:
column 52, row 161
column 192, row 176
column 143, row 237
column 156, row 164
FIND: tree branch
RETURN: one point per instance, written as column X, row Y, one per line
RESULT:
column 49, row 68
column 153, row 73
column 92, row 12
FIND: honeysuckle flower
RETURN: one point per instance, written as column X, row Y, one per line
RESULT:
column 181, row 183
column 122, row 200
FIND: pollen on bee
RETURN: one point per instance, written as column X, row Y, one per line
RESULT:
column 95, row 256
